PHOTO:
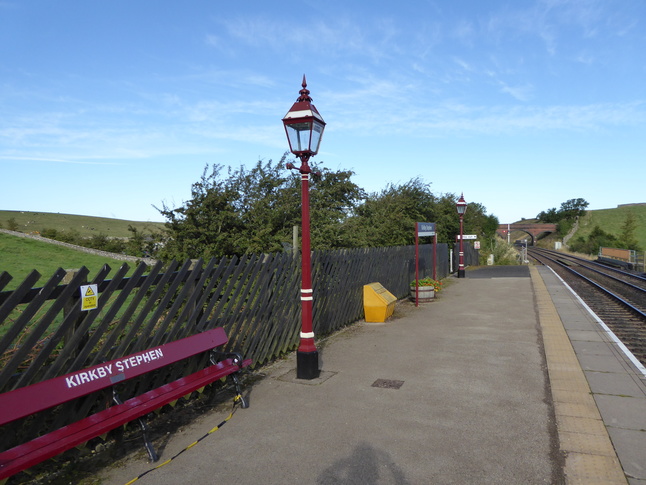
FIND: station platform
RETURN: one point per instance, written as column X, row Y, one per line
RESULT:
column 504, row 379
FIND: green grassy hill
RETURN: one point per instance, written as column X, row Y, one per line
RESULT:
column 611, row 220
column 29, row 222
column 20, row 255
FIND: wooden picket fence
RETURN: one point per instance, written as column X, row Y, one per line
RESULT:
column 256, row 298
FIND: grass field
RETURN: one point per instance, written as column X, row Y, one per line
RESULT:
column 611, row 220
column 19, row 256
column 87, row 226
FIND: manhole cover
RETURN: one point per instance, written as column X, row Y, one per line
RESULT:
column 387, row 384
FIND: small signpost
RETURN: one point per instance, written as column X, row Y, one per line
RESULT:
column 424, row 229
column 89, row 297
column 466, row 237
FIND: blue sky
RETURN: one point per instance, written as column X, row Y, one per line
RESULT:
column 110, row 107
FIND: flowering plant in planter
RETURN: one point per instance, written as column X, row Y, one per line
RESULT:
column 437, row 285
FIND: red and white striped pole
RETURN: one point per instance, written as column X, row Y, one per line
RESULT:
column 307, row 357
column 461, row 207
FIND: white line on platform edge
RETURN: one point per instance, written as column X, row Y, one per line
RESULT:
column 610, row 333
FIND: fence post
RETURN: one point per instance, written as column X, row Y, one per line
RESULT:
column 73, row 305
column 194, row 279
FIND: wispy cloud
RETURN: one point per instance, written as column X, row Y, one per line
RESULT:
column 421, row 118
column 519, row 119
column 382, row 107
column 463, row 64
column 465, row 32
column 54, row 160
column 338, row 37
column 554, row 21
column 586, row 59
column 521, row 93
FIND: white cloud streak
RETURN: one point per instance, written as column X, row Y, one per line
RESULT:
column 54, row 160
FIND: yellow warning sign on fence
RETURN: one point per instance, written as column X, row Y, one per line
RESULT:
column 89, row 297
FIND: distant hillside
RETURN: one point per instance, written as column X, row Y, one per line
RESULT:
column 86, row 225
column 611, row 220
column 20, row 255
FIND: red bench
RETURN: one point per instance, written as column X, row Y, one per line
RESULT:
column 26, row 401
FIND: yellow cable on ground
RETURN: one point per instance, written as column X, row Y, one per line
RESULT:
column 236, row 400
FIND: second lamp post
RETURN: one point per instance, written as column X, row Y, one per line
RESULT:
column 461, row 207
column 304, row 128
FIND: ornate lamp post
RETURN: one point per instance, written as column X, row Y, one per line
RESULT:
column 304, row 128
column 461, row 207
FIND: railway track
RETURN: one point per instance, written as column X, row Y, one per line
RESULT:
column 617, row 297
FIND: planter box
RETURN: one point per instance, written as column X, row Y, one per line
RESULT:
column 426, row 293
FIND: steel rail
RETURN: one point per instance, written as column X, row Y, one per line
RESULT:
column 614, row 278
column 588, row 262
column 601, row 288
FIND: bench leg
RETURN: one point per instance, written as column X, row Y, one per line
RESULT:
column 144, row 431
column 239, row 397
column 237, row 359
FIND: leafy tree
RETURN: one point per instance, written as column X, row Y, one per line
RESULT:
column 388, row 218
column 447, row 219
column 103, row 243
column 253, row 211
column 476, row 220
column 140, row 243
column 266, row 206
column 573, row 208
column 597, row 238
column 627, row 238
column 333, row 200
column 479, row 223
column 504, row 253
column 551, row 216
column 563, row 227
column 207, row 224
column 49, row 233
column 570, row 210
column 12, row 225
column 72, row 237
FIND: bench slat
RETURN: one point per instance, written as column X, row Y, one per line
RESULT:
column 40, row 449
column 28, row 400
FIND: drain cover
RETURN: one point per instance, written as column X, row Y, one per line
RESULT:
column 387, row 384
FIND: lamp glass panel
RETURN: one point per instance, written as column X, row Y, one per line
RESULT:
column 299, row 136
column 317, row 133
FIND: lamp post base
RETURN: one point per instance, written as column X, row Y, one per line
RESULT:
column 460, row 273
column 307, row 365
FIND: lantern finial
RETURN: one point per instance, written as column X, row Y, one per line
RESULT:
column 304, row 93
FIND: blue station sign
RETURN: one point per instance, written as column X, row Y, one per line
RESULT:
column 425, row 229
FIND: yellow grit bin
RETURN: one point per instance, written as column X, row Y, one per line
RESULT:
column 378, row 302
